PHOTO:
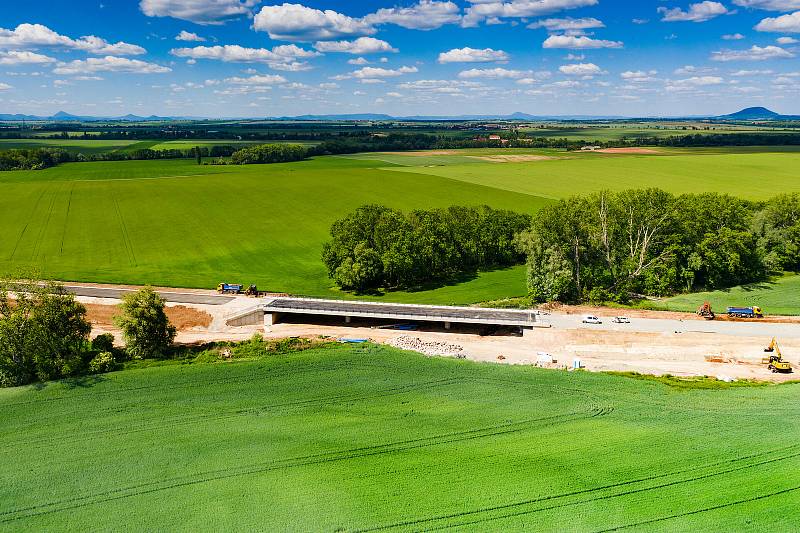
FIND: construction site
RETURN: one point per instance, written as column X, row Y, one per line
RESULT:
column 647, row 342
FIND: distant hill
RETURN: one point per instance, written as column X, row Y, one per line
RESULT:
column 63, row 116
column 757, row 113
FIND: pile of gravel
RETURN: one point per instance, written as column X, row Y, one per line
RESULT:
column 404, row 342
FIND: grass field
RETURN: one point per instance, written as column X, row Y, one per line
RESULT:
column 372, row 439
column 90, row 146
column 779, row 296
column 175, row 223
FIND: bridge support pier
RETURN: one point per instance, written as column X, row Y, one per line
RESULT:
column 527, row 333
column 447, row 325
column 270, row 319
column 348, row 319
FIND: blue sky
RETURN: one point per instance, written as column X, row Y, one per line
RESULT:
column 251, row 58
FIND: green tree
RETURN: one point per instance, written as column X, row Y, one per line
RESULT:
column 144, row 324
column 44, row 333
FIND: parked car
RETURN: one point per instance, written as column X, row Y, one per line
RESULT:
column 591, row 319
column 621, row 320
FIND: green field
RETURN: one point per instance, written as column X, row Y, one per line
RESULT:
column 373, row 439
column 175, row 223
column 779, row 296
column 90, row 146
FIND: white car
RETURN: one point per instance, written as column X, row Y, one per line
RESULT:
column 621, row 320
column 591, row 319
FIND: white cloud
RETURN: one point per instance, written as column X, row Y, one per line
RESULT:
column 110, row 64
column 743, row 73
column 329, row 86
column 494, row 73
column 567, row 24
column 755, row 53
column 294, row 22
column 394, row 95
column 783, row 24
column 377, row 72
column 786, row 40
column 258, row 79
column 425, row 15
column 282, row 57
column 198, row 11
column 699, row 12
column 733, row 37
column 572, row 42
column 15, row 57
column 357, row 61
column 5, row 86
column 580, row 69
column 769, row 5
column 493, row 10
column 472, row 55
column 188, row 36
column 639, row 76
column 362, row 45
column 699, row 81
column 36, row 35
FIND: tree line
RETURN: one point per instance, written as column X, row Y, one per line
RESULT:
column 377, row 247
column 617, row 246
column 41, row 158
column 45, row 333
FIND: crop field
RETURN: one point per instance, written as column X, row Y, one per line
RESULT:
column 779, row 296
column 637, row 131
column 175, row 223
column 71, row 145
column 373, row 439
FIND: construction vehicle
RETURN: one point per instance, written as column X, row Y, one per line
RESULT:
column 775, row 361
column 706, row 312
column 745, row 312
column 230, row 288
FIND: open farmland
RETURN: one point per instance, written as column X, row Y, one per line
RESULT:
column 373, row 439
column 777, row 296
column 175, row 223
column 86, row 146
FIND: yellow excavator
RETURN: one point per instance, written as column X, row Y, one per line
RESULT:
column 775, row 361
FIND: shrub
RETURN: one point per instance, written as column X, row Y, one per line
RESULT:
column 103, row 343
column 103, row 362
column 145, row 326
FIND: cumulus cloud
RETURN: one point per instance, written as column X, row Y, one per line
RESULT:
column 15, row 57
column 110, row 64
column 699, row 12
column 494, row 10
column 258, row 79
column 769, row 5
column 198, row 11
column 357, row 61
column 284, row 57
column 494, row 73
column 755, row 53
column 377, row 72
column 360, row 46
column 573, row 42
column 700, row 81
column 472, row 55
column 426, row 15
column 5, row 86
column 783, row 24
column 188, row 36
column 580, row 69
column 567, row 24
column 295, row 22
column 639, row 76
column 36, row 35
column 786, row 40
column 733, row 37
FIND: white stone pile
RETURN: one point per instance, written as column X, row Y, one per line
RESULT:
column 433, row 348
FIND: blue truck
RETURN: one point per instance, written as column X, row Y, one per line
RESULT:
column 230, row 288
column 745, row 312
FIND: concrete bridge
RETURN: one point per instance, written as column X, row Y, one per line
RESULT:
column 270, row 311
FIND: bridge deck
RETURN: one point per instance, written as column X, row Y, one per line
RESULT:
column 422, row 313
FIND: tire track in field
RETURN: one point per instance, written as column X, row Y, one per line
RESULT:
column 125, row 236
column 66, row 219
column 478, row 519
column 37, row 245
column 25, row 228
column 183, row 420
column 703, row 510
column 121, row 493
column 172, row 385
